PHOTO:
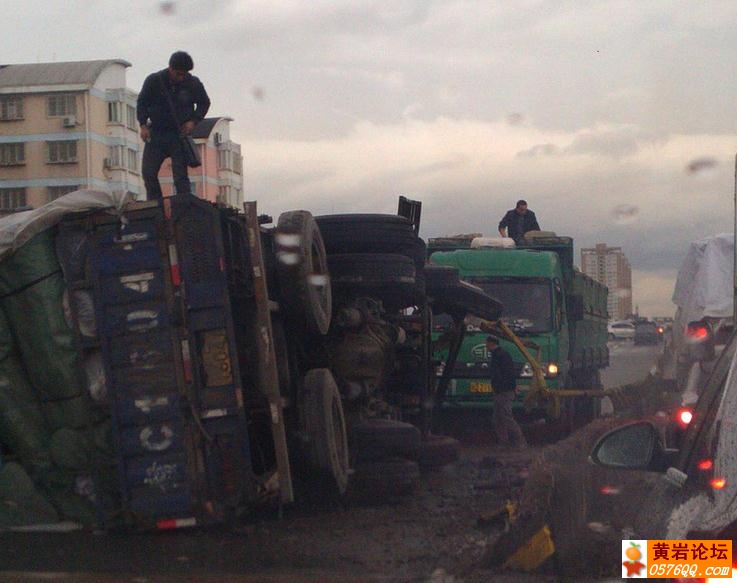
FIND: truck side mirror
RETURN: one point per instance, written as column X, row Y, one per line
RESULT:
column 575, row 307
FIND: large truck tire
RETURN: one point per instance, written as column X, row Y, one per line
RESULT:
column 324, row 425
column 372, row 233
column 377, row 439
column 390, row 278
column 302, row 272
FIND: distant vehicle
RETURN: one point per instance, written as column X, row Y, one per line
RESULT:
column 647, row 332
column 621, row 330
column 704, row 294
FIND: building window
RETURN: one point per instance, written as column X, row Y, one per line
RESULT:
column 115, row 112
column 61, row 104
column 12, row 154
column 11, row 107
column 237, row 164
column 54, row 192
column 12, row 198
column 132, row 160
column 115, row 157
column 223, row 160
column 130, row 116
column 61, row 152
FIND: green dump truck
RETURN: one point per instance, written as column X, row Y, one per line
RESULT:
column 557, row 311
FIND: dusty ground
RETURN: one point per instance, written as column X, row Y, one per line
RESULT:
column 440, row 534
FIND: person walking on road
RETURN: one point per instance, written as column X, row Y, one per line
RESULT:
column 171, row 103
column 518, row 221
column 504, row 385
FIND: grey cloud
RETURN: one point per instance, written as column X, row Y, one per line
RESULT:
column 539, row 150
column 615, row 143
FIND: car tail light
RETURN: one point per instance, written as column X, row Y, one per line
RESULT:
column 705, row 465
column 697, row 331
column 684, row 415
column 718, row 483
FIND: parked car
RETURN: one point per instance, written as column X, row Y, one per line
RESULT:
column 623, row 330
column 647, row 332
column 698, row 495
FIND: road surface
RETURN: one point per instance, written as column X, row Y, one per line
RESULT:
column 629, row 363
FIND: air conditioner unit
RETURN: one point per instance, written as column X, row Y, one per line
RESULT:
column 69, row 121
column 107, row 163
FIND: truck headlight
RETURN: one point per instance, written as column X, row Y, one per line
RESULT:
column 526, row 371
column 551, row 370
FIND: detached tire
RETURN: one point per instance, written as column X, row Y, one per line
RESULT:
column 466, row 298
column 372, row 233
column 302, row 272
column 438, row 277
column 324, row 424
column 439, row 450
column 385, row 480
column 377, row 439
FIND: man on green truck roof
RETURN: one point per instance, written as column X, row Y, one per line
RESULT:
column 518, row 221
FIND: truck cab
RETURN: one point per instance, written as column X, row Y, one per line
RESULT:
column 558, row 312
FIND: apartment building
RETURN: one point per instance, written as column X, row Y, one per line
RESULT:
column 66, row 126
column 609, row 265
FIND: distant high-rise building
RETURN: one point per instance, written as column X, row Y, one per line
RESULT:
column 69, row 126
column 608, row 265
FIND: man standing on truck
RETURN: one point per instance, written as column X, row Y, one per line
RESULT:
column 171, row 103
column 518, row 221
column 504, row 385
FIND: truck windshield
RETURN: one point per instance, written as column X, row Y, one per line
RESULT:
column 527, row 305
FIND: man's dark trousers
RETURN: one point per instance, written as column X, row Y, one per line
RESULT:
column 156, row 150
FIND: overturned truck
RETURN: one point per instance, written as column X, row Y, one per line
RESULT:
column 167, row 364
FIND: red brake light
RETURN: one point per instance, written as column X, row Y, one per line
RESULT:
column 696, row 332
column 684, row 416
column 705, row 465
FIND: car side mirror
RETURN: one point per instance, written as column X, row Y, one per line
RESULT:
column 637, row 446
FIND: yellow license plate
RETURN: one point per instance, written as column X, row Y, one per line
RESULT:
column 480, row 388
column 216, row 358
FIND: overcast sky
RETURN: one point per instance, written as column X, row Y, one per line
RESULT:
column 615, row 119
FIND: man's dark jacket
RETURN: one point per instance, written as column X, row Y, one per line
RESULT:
column 511, row 222
column 189, row 98
column 503, row 376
